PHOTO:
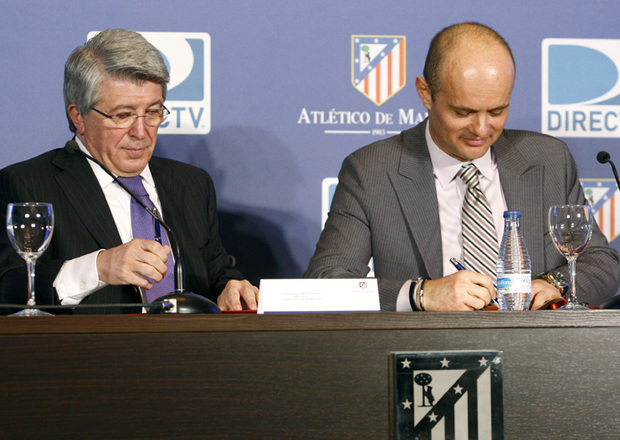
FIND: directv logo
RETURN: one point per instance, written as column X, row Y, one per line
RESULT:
column 188, row 58
column 580, row 87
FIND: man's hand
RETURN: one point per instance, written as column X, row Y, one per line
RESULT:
column 131, row 262
column 542, row 292
column 461, row 291
column 236, row 294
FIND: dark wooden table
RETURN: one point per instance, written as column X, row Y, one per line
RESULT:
column 301, row 376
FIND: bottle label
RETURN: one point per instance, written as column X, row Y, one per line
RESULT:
column 514, row 283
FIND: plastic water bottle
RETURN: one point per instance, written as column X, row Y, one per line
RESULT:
column 514, row 269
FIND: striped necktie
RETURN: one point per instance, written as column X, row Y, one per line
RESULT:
column 480, row 247
column 142, row 225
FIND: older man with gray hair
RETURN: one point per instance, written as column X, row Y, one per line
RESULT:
column 115, row 88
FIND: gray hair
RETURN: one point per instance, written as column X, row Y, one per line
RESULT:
column 116, row 53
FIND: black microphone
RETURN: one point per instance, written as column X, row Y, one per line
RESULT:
column 182, row 300
column 604, row 157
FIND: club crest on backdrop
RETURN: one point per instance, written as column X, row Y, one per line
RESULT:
column 378, row 65
column 602, row 196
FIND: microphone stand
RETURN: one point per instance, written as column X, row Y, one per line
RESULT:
column 182, row 301
column 604, row 157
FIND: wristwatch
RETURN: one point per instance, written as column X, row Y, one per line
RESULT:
column 557, row 280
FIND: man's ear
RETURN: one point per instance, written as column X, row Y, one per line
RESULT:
column 77, row 118
column 424, row 92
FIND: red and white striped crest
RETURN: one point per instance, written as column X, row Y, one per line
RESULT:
column 602, row 196
column 378, row 65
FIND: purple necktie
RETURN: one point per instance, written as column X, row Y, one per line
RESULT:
column 143, row 226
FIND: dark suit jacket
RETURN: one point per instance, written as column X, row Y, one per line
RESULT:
column 385, row 206
column 84, row 224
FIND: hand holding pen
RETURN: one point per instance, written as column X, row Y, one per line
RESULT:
column 456, row 263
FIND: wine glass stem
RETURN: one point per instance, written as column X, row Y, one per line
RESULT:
column 31, row 300
column 572, row 266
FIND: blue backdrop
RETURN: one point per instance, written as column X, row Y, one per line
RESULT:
column 265, row 97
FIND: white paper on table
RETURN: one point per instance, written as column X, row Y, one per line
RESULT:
column 318, row 295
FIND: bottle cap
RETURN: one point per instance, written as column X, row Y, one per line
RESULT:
column 508, row 214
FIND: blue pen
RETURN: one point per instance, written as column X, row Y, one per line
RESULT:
column 156, row 226
column 459, row 266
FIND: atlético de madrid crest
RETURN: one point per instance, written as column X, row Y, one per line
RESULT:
column 448, row 395
column 602, row 195
column 378, row 65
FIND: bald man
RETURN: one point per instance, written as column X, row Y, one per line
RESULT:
column 400, row 200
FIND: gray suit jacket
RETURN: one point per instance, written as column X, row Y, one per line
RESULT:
column 84, row 224
column 385, row 206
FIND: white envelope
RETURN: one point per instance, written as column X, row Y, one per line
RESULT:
column 318, row 295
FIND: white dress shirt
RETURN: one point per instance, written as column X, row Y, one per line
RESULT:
column 450, row 194
column 78, row 277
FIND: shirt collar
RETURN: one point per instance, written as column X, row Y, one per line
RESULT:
column 445, row 167
column 104, row 178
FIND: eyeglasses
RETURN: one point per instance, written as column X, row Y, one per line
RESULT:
column 152, row 118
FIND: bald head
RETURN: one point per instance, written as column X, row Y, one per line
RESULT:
column 460, row 43
column 470, row 75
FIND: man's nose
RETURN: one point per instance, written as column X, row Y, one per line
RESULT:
column 480, row 125
column 138, row 129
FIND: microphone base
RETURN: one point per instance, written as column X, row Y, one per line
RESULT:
column 185, row 302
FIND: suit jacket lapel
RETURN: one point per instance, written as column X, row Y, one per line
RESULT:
column 79, row 184
column 414, row 184
column 522, row 184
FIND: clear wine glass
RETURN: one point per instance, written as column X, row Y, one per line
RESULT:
column 571, row 229
column 30, row 227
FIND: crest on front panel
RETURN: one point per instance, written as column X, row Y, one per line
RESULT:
column 448, row 395
column 378, row 65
